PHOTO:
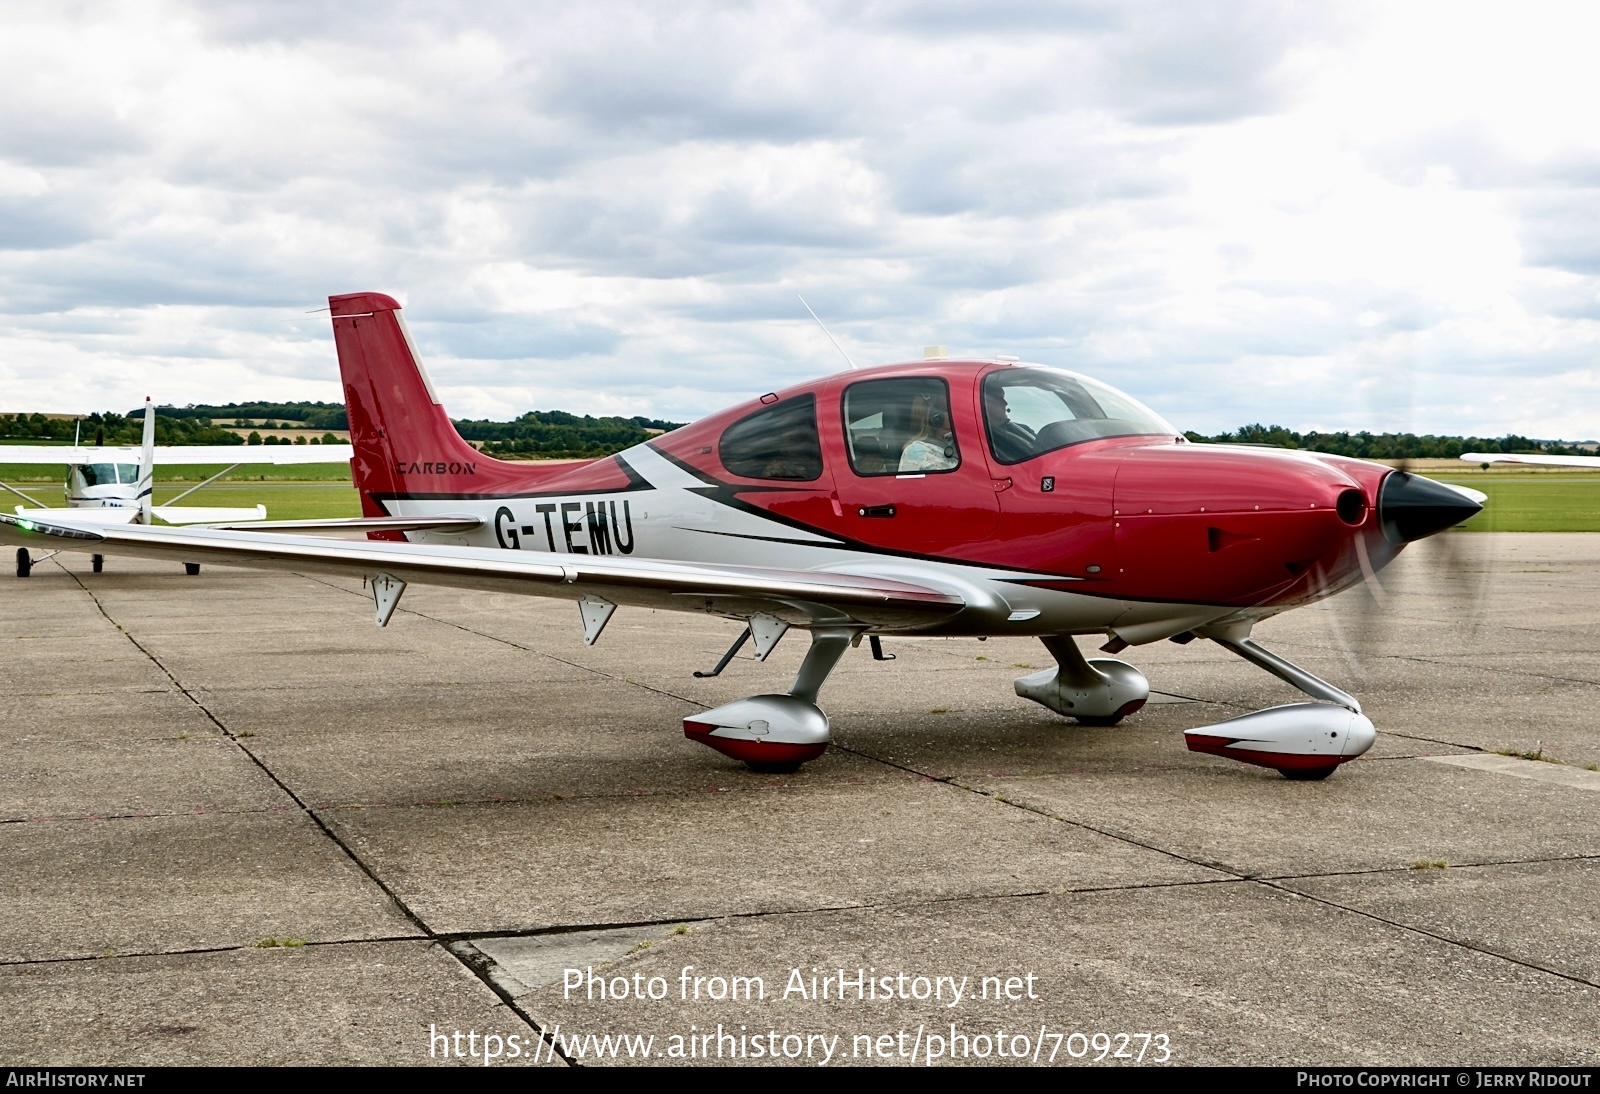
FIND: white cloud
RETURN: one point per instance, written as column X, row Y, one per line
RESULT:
column 1350, row 216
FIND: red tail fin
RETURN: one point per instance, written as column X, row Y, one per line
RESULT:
column 404, row 442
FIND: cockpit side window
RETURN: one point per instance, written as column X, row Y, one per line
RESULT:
column 899, row 427
column 1031, row 411
column 127, row 473
column 779, row 442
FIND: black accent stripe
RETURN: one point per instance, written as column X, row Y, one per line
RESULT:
column 764, row 539
column 636, row 481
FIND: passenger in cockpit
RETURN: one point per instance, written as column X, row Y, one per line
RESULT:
column 931, row 446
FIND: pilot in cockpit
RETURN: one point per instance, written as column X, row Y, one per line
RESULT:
column 1012, row 441
column 931, row 446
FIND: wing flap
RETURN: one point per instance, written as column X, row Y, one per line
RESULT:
column 800, row 596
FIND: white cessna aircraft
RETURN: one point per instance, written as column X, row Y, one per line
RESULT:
column 1591, row 462
column 108, row 486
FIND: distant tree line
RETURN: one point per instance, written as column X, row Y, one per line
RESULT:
column 555, row 434
column 114, row 429
column 1385, row 446
column 549, row 434
column 303, row 415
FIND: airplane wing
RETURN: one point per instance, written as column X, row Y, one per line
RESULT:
column 176, row 454
column 279, row 454
column 799, row 597
column 63, row 454
column 1551, row 461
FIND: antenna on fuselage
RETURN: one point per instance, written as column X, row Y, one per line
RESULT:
column 826, row 331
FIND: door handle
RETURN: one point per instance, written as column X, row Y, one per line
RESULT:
column 875, row 511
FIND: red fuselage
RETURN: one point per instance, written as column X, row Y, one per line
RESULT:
column 1148, row 517
column 1128, row 511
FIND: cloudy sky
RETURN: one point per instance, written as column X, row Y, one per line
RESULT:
column 1334, row 215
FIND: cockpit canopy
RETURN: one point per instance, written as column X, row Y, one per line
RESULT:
column 1031, row 410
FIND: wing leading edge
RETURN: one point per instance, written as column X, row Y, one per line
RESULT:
column 799, row 597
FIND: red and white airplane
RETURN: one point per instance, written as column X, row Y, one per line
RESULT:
column 939, row 497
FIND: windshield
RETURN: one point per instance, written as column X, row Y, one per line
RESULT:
column 100, row 474
column 109, row 474
column 1030, row 411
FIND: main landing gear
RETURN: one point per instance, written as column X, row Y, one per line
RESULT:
column 26, row 562
column 777, row 733
column 1302, row 741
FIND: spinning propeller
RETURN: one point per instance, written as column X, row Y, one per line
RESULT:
column 1411, row 508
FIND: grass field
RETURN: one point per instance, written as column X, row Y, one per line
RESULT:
column 284, row 500
column 1536, row 502
column 290, row 493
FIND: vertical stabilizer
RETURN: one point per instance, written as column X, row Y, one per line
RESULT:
column 405, row 444
column 404, row 441
column 147, row 463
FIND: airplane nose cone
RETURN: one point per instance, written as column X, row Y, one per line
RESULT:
column 1411, row 507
